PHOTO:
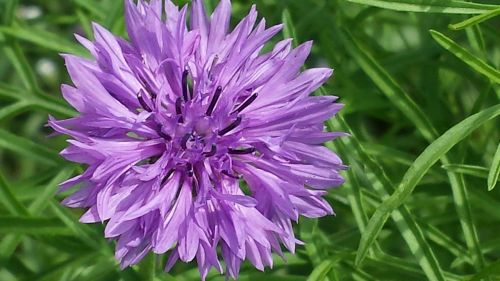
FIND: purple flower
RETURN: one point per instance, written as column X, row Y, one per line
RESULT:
column 196, row 142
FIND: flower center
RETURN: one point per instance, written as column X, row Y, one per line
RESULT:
column 192, row 128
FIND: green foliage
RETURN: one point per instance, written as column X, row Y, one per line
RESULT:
column 420, row 82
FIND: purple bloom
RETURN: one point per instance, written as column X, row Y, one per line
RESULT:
column 195, row 140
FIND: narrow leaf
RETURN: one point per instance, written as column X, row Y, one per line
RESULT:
column 43, row 200
column 406, row 223
column 319, row 273
column 9, row 200
column 430, row 6
column 44, row 39
column 82, row 230
column 494, row 170
column 13, row 109
column 489, row 271
column 388, row 86
column 91, row 7
column 421, row 165
column 21, row 65
column 473, row 61
column 27, row 225
column 475, row 19
column 476, row 171
column 28, row 148
column 288, row 28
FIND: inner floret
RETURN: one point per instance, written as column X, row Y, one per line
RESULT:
column 192, row 128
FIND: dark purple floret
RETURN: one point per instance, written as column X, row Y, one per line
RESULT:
column 241, row 151
column 231, row 126
column 246, row 103
column 185, row 86
column 214, row 100
column 143, row 103
column 183, row 156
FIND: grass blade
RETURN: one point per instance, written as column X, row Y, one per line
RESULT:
column 28, row 148
column 21, row 65
column 476, row 171
column 55, row 272
column 320, row 272
column 464, row 55
column 82, row 230
column 421, row 165
column 490, row 271
column 50, row 105
column 43, row 101
column 10, row 11
column 388, row 86
column 9, row 200
column 27, row 225
column 307, row 229
column 10, row 242
column 406, row 223
column 406, row 105
column 13, row 109
column 494, row 170
column 43, row 200
column 475, row 20
column 44, row 39
column 91, row 7
column 288, row 27
column 430, row 6
column 461, row 200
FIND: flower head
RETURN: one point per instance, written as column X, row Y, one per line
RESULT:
column 195, row 140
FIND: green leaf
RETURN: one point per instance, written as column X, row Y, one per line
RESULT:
column 52, row 105
column 10, row 11
column 409, row 108
column 254, row 276
column 440, row 238
column 14, row 53
column 9, row 200
column 471, row 170
column 10, row 242
column 28, row 148
column 28, row 225
column 147, row 267
column 43, row 200
column 288, row 28
column 308, row 228
column 406, row 223
column 9, row 92
column 490, row 271
column 473, row 61
column 82, row 230
column 320, row 272
column 85, row 23
column 91, row 7
column 475, row 19
column 13, row 109
column 355, row 197
column 388, row 85
column 494, row 170
column 70, row 264
column 388, row 153
column 43, row 101
column 415, row 173
column 430, row 6
column 44, row 39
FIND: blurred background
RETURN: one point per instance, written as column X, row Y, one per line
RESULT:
column 403, row 86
